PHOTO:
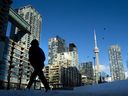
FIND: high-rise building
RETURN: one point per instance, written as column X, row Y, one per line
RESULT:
column 68, row 58
column 55, row 45
column 87, row 70
column 15, row 69
column 64, row 59
column 34, row 19
column 73, row 54
column 116, row 64
column 63, row 63
column 59, row 53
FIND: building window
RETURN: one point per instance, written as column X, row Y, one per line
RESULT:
column 27, row 15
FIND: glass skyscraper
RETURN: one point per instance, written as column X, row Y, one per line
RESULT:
column 116, row 64
column 55, row 45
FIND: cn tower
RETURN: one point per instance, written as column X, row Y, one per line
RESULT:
column 96, row 51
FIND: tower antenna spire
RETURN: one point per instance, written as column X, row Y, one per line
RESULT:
column 95, row 39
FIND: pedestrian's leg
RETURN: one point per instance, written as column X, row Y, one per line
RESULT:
column 33, row 76
column 43, row 79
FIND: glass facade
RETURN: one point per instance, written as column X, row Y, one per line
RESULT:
column 116, row 65
column 55, row 45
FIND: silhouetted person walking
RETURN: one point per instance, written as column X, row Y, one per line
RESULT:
column 37, row 58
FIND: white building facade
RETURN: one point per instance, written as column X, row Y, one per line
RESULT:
column 116, row 63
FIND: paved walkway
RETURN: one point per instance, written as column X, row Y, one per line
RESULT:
column 118, row 88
